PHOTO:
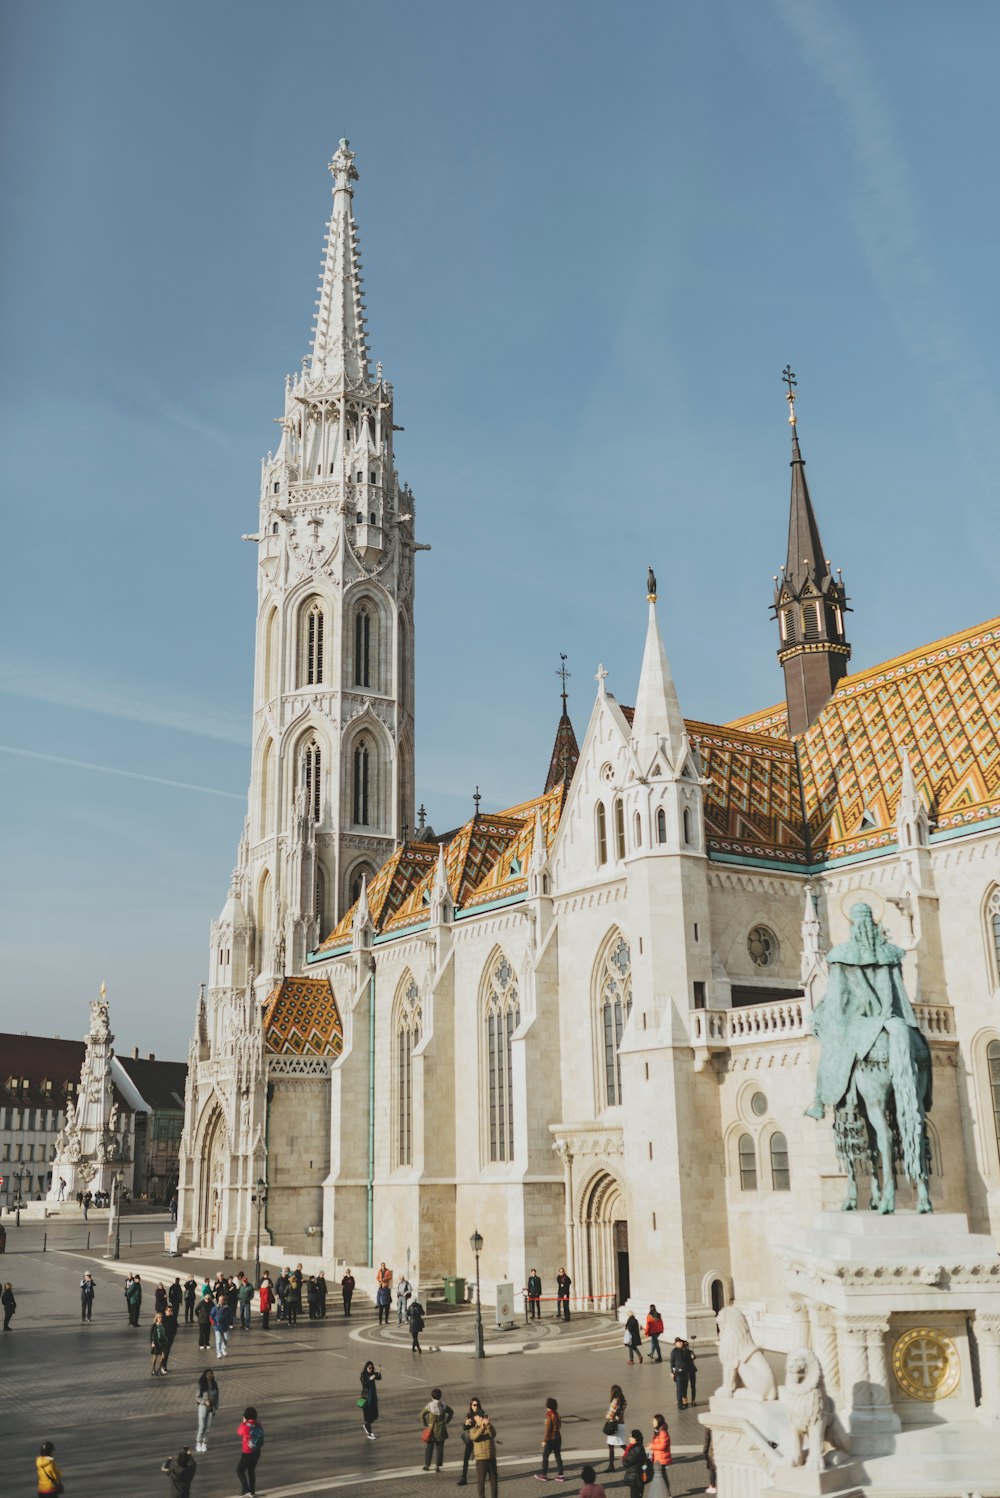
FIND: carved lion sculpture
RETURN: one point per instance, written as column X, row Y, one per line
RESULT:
column 745, row 1369
column 810, row 1411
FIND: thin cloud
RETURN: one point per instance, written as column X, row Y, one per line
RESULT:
column 887, row 222
column 42, row 682
column 83, row 764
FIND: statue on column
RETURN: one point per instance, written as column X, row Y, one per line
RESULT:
column 874, row 1068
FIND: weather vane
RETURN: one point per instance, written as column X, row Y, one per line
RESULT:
column 477, row 798
column 564, row 675
column 788, row 378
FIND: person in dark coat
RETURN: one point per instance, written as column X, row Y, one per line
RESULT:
column 347, row 1291
column 158, row 1345
column 175, row 1295
column 534, row 1295
column 370, row 1376
column 312, row 1296
column 170, row 1327
column 190, row 1296
column 633, row 1462
column 180, row 1469
column 9, row 1305
column 160, row 1299
column 681, row 1363
column 321, row 1288
column 563, row 1285
column 203, row 1316
column 634, row 1336
column 133, row 1299
column 86, row 1296
column 415, row 1316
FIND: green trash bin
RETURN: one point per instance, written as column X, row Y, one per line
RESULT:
column 454, row 1290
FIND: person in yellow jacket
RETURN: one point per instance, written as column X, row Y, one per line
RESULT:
column 49, row 1476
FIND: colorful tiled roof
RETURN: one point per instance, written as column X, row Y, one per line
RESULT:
column 939, row 703
column 752, row 800
column 301, row 1018
column 485, row 860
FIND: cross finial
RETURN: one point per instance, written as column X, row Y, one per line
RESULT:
column 788, row 378
column 422, row 814
column 477, row 798
column 564, row 675
column 600, row 677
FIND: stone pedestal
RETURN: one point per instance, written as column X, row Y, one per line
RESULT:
column 742, row 1431
column 902, row 1309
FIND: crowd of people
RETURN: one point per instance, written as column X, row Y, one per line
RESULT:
column 219, row 1305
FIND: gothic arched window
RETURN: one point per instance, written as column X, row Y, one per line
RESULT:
column 619, row 829
column 361, row 796
column 363, row 647
column 993, row 1068
column 781, row 1179
column 638, row 830
column 993, row 931
column 407, row 1037
column 661, row 826
column 360, row 874
column 319, row 898
column 687, row 828
column 747, row 1153
column 270, row 672
column 312, row 778
column 312, row 644
column 503, row 1015
column 602, row 834
column 615, row 999
column 264, row 817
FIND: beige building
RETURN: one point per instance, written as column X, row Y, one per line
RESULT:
column 580, row 1025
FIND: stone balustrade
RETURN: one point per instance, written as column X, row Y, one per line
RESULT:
column 787, row 1019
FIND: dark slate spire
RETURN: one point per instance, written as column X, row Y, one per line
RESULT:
column 809, row 602
column 565, row 750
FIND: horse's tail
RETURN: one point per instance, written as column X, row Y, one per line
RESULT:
column 903, row 1069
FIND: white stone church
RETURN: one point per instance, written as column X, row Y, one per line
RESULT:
column 579, row 1025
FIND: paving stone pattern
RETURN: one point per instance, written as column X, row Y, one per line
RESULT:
column 89, row 1388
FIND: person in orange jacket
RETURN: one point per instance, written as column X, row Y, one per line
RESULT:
column 654, row 1330
column 659, row 1449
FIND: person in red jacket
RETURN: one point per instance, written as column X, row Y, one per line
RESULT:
column 654, row 1331
column 659, row 1449
column 251, row 1433
column 266, row 1294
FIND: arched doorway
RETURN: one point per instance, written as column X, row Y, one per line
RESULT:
column 605, row 1233
column 209, row 1226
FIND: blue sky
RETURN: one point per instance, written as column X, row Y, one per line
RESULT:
column 592, row 237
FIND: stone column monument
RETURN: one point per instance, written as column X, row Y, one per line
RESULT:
column 95, row 1142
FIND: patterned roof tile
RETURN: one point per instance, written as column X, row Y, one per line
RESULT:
column 301, row 1018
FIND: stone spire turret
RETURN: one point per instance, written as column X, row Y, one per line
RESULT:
column 340, row 342
column 658, row 725
column 809, row 602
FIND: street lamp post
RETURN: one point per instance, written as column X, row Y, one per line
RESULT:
column 114, row 1220
column 19, row 1176
column 261, row 1200
column 476, row 1244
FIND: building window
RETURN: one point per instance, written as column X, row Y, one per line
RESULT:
column 661, row 826
column 993, row 1066
column 362, row 784
column 993, row 930
column 687, row 828
column 619, row 829
column 503, row 1015
column 781, row 1179
column 363, row 647
column 762, row 945
column 360, row 876
column 312, row 779
column 638, row 830
column 748, row 1163
column 314, row 646
column 615, row 989
column 407, row 1038
column 602, row 834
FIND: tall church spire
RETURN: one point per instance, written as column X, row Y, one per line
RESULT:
column 809, row 602
column 658, row 724
column 340, row 342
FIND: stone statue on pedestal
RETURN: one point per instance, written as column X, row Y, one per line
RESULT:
column 875, row 1066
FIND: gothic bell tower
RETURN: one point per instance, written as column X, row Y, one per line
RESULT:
column 332, row 776
column 809, row 602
